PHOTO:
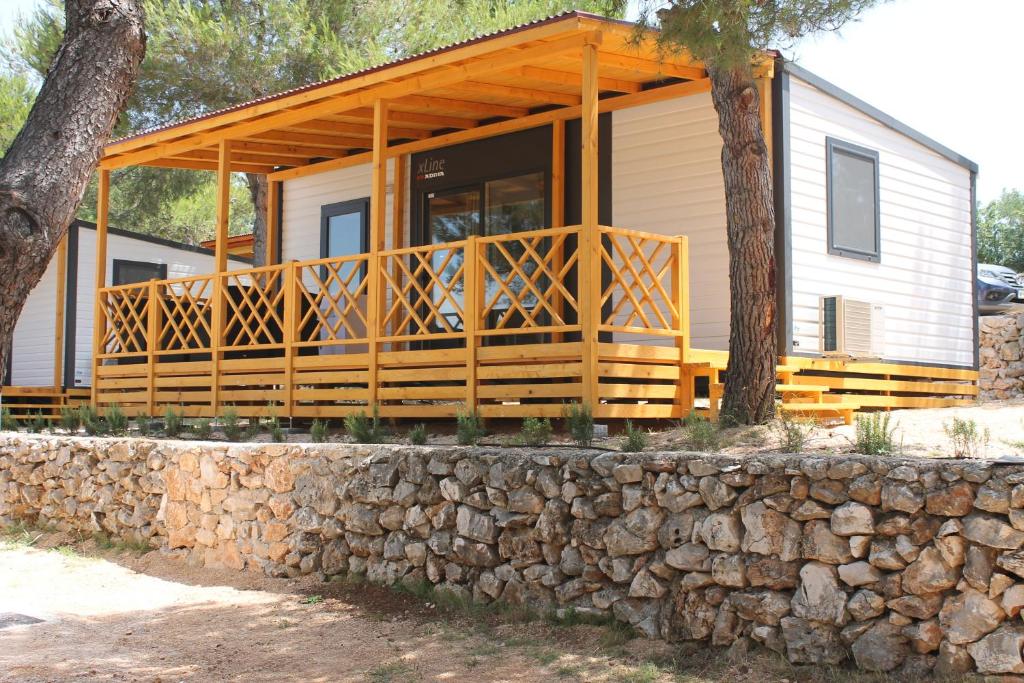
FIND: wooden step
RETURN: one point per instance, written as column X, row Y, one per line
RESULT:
column 843, row 410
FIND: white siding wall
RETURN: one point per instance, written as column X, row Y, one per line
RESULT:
column 667, row 178
column 180, row 263
column 924, row 280
column 32, row 351
column 303, row 197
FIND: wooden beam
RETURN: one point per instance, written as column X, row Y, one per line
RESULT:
column 266, row 159
column 666, row 92
column 410, row 118
column 59, row 305
column 274, row 188
column 558, row 207
column 203, row 165
column 223, row 205
column 332, row 128
column 654, row 67
column 483, row 109
column 764, row 94
column 590, row 239
column 512, row 92
column 99, row 317
column 378, row 216
column 575, row 79
column 271, row 149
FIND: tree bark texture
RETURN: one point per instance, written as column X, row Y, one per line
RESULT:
column 46, row 170
column 258, row 193
column 750, row 378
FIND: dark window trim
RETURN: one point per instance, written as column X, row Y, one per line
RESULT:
column 360, row 205
column 831, row 145
column 121, row 263
column 782, row 181
column 71, row 309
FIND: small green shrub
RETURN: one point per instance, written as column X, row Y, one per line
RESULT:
column 252, row 428
column 418, row 435
column 231, row 424
column 874, row 434
column 173, row 422
column 117, row 421
column 700, row 434
column 143, row 425
column 38, row 423
column 7, row 423
column 967, row 438
column 536, row 431
column 792, row 431
column 318, row 431
column 469, row 427
column 203, row 428
column 363, row 429
column 633, row 440
column 579, row 421
column 91, row 421
column 690, row 418
column 274, row 425
column 68, row 419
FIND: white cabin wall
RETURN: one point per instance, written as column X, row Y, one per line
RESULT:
column 32, row 356
column 925, row 277
column 667, row 179
column 303, row 197
column 180, row 263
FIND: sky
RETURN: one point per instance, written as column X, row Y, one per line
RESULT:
column 943, row 67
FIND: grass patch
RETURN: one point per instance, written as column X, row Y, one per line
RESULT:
column 388, row 672
column 312, row 600
column 645, row 673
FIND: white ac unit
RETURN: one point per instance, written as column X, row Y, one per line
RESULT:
column 850, row 328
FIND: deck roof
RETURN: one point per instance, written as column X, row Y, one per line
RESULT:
column 516, row 74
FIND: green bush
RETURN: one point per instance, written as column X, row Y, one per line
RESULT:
column 274, row 425
column 143, row 425
column 418, row 435
column 318, row 431
column 967, row 438
column 38, row 423
column 91, row 421
column 633, row 440
column 173, row 422
column 536, row 431
column 231, row 424
column 700, row 434
column 469, row 427
column 874, row 434
column 7, row 423
column 69, row 419
column 792, row 431
column 203, row 428
column 579, row 422
column 363, row 429
column 117, row 421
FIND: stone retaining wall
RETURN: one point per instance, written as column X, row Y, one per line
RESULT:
column 899, row 564
column 1001, row 372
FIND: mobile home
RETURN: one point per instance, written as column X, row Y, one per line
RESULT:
column 537, row 217
column 51, row 356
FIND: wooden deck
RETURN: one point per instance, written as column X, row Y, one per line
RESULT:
column 30, row 403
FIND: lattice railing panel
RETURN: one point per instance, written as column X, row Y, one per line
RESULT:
column 333, row 300
column 125, row 311
column 185, row 313
column 424, row 291
column 254, row 312
column 525, row 278
column 637, row 289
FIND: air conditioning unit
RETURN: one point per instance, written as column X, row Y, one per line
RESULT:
column 850, row 328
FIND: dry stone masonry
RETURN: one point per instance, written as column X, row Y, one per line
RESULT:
column 901, row 565
column 1001, row 371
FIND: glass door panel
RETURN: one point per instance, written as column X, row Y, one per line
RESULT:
column 344, row 232
column 451, row 217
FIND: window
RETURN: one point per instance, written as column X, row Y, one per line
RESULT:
column 345, row 231
column 854, row 226
column 129, row 272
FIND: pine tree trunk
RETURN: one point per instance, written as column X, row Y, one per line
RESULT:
column 46, row 170
column 258, row 193
column 750, row 378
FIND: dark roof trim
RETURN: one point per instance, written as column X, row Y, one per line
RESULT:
column 877, row 114
column 162, row 241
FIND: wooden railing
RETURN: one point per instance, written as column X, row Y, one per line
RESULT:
column 528, row 287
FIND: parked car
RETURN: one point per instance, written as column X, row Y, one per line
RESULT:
column 998, row 288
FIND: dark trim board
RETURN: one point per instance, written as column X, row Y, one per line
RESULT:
column 877, row 114
column 119, row 263
column 71, row 310
column 833, row 145
column 781, row 183
column 974, row 269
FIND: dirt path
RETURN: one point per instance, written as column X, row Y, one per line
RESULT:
column 109, row 616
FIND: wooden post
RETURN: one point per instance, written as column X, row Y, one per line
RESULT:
column 378, row 216
column 273, row 222
column 99, row 317
column 59, row 303
column 681, row 294
column 558, row 208
column 590, row 239
column 397, row 225
column 220, row 267
column 764, row 94
column 291, row 273
column 152, row 342
column 471, row 315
